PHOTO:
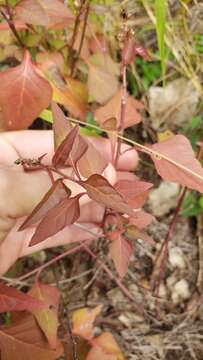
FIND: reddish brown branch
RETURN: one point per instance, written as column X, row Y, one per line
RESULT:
column 162, row 255
column 11, row 25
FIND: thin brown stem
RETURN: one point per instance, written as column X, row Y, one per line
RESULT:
column 84, row 29
column 162, row 255
column 82, row 37
column 11, row 25
column 39, row 269
column 123, row 112
column 59, row 172
column 74, row 36
column 112, row 276
column 49, row 172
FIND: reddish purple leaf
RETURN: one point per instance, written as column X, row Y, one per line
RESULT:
column 62, row 153
column 100, row 190
column 141, row 51
column 135, row 192
column 128, row 51
column 53, row 197
column 79, row 149
column 24, row 93
column 120, row 251
column 56, row 219
column 131, row 49
column 62, row 127
column 12, row 299
column 92, row 162
column 189, row 173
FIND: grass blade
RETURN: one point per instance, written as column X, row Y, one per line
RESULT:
column 160, row 14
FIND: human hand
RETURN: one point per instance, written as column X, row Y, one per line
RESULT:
column 21, row 191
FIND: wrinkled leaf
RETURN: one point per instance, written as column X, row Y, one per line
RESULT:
column 83, row 321
column 113, row 110
column 53, row 197
column 23, row 340
column 12, row 299
column 100, row 190
column 120, row 252
column 24, row 93
column 189, row 171
column 47, row 318
column 56, row 219
column 43, row 12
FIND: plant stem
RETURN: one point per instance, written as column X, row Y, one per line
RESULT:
column 84, row 28
column 123, row 112
column 74, row 36
column 11, row 24
column 112, row 277
column 162, row 256
column 142, row 148
column 39, row 269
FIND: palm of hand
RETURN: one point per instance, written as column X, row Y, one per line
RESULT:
column 20, row 192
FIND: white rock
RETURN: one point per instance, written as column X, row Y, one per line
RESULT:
column 164, row 198
column 171, row 280
column 176, row 258
column 162, row 291
column 174, row 104
column 180, row 291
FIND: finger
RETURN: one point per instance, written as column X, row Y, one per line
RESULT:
column 27, row 144
column 34, row 143
column 128, row 160
column 16, row 243
column 21, row 192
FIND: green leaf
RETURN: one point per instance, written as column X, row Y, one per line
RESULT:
column 46, row 115
column 160, row 14
column 191, row 205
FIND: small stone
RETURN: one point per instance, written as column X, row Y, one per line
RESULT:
column 171, row 280
column 162, row 291
column 176, row 258
column 180, row 291
column 164, row 198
